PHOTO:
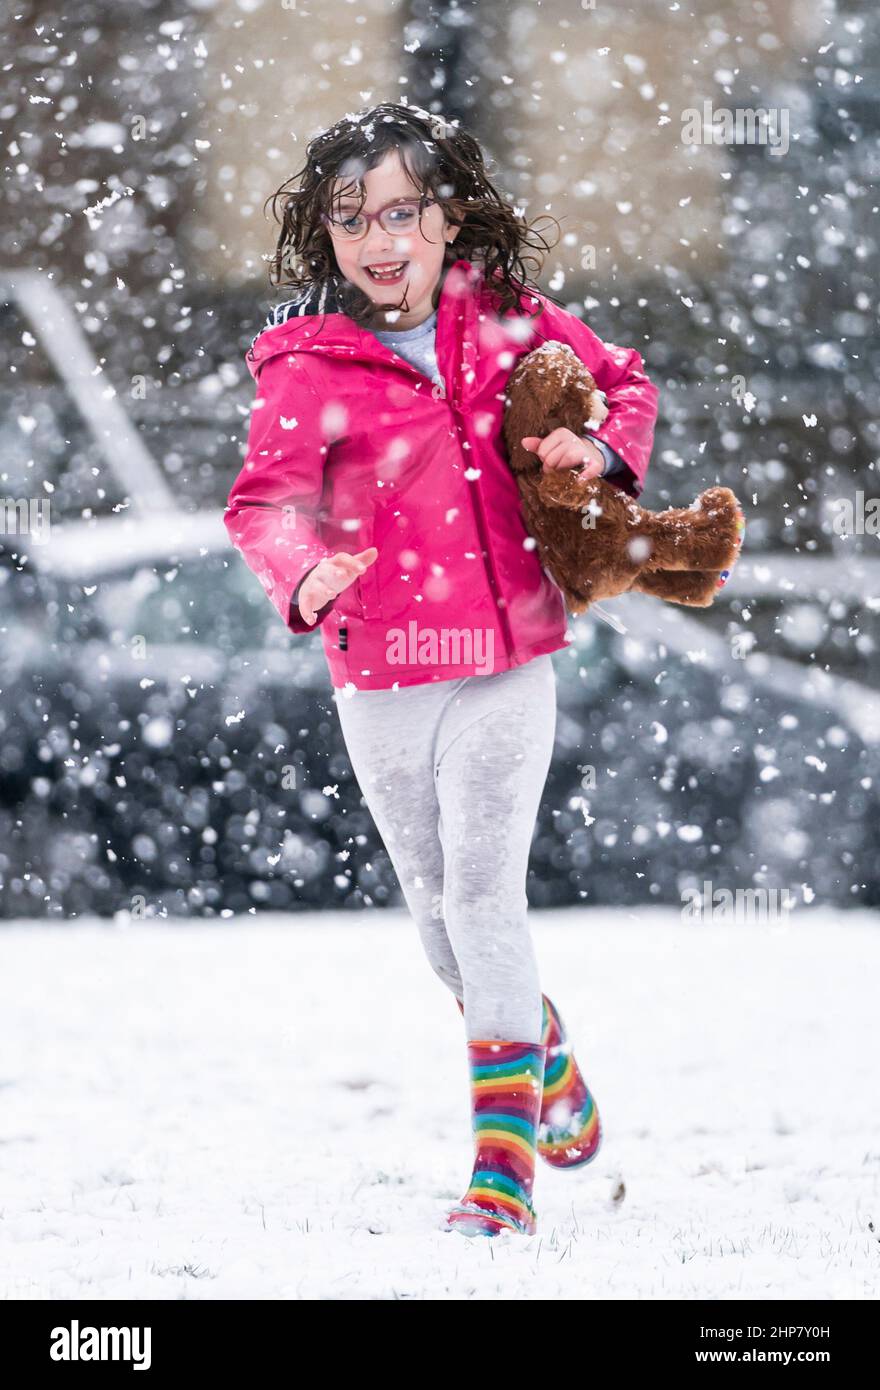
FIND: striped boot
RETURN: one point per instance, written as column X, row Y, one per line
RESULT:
column 569, row 1130
column 506, row 1082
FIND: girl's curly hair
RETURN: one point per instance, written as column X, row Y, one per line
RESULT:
column 443, row 161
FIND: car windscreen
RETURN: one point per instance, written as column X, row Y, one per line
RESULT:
column 211, row 600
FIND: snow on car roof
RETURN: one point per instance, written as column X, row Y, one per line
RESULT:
column 104, row 544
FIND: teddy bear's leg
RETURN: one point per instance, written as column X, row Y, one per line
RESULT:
column 705, row 537
column 696, row 588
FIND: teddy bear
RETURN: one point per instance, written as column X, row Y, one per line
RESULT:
column 593, row 539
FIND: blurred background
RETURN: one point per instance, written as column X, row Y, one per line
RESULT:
column 167, row 748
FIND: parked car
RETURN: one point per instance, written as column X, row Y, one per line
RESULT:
column 167, row 747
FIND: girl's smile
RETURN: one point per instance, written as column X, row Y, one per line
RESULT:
column 387, row 273
column 398, row 271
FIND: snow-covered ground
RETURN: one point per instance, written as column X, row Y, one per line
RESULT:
column 278, row 1108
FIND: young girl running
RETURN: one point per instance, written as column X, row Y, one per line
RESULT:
column 376, row 501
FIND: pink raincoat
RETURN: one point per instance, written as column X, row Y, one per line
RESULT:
column 351, row 446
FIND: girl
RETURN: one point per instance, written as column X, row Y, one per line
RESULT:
column 376, row 501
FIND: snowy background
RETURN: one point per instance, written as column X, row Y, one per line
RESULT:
column 297, row 1123
column 153, row 699
column 185, row 922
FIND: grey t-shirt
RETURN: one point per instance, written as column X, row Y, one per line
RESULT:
column 416, row 345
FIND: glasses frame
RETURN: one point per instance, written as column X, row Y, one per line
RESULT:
column 371, row 217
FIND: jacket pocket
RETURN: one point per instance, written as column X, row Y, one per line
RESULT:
column 360, row 600
column 365, row 589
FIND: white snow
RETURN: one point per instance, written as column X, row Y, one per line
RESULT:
column 278, row 1108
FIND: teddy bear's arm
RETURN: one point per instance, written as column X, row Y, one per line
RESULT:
column 632, row 397
column 561, row 487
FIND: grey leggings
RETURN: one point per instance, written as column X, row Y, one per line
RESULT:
column 452, row 773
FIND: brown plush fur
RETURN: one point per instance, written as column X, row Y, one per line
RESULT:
column 592, row 538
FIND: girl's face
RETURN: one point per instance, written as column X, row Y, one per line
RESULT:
column 420, row 251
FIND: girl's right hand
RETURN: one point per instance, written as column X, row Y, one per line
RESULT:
column 330, row 577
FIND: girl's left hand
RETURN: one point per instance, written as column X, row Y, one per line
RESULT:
column 563, row 449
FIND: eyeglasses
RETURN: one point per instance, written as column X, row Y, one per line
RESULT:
column 401, row 216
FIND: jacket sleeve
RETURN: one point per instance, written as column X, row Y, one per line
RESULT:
column 271, row 512
column 614, row 467
column 631, row 398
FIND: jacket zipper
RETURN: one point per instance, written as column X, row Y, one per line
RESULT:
column 488, row 562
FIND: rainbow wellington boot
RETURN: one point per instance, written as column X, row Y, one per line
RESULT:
column 569, row 1128
column 506, row 1087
